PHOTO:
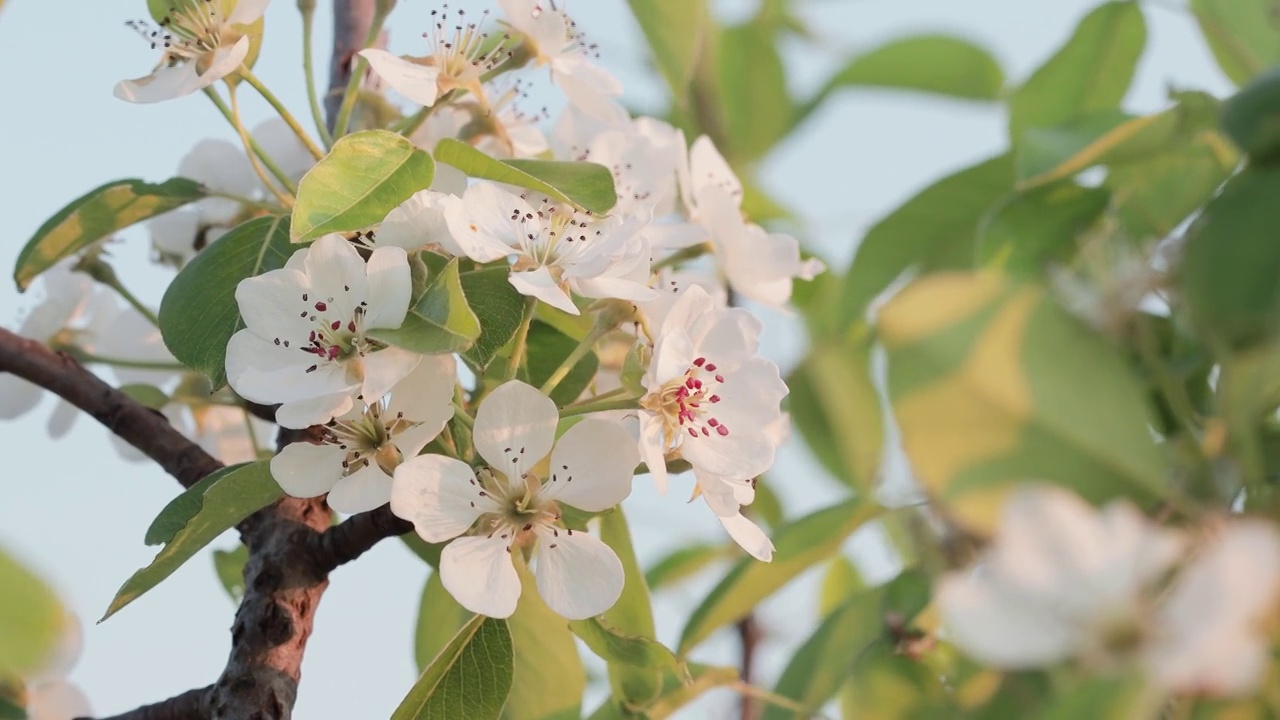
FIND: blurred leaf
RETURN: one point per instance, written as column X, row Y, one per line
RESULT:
column 147, row 395
column 8, row 709
column 199, row 313
column 884, row 685
column 677, row 695
column 365, row 176
column 837, row 411
column 684, row 562
column 587, row 185
column 676, row 31
column 229, row 496
column 1252, row 118
column 632, row 615
column 767, row 506
column 800, row 545
column 933, row 230
column 939, row 64
column 499, row 308
column 1115, row 698
column 440, row 617
column 992, row 383
column 1244, row 35
column 229, row 565
column 757, row 109
column 441, row 322
column 841, row 580
column 470, row 678
column 617, row 647
column 1231, row 261
column 1090, row 73
column 549, row 679
column 31, row 620
column 96, row 215
column 1039, row 226
column 1053, row 153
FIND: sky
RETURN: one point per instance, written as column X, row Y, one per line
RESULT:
column 76, row 512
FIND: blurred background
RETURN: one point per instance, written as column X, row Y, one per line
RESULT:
column 77, row 512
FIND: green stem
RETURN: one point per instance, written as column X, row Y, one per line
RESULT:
column 282, row 111
column 252, row 149
column 87, row 357
column 308, row 70
column 690, row 253
column 595, row 404
column 106, row 275
column 357, row 73
column 571, row 361
column 409, row 125
column 752, row 691
column 461, row 415
column 521, row 339
column 253, row 436
column 247, row 202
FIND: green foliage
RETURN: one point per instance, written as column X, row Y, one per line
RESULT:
column 1037, row 227
column 31, row 619
column 364, row 177
column 199, row 314
column 440, row 322
column 683, row 563
column 1251, row 118
column 587, row 185
column 499, row 308
column 95, row 216
column 547, row 349
column 192, row 520
column 676, row 31
column 634, row 684
column 1243, row 35
column 757, row 109
column 148, row 395
column 229, row 565
column 469, row 678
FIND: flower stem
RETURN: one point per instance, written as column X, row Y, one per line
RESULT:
column 752, row 691
column 461, row 415
column 596, row 404
column 409, row 125
column 690, row 253
column 308, row 11
column 521, row 339
column 252, row 149
column 282, row 111
column 357, row 75
column 584, row 347
column 246, row 201
column 105, row 274
column 88, row 357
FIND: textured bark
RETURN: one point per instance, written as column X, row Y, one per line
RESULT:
column 351, row 21
column 190, row 704
column 356, row 535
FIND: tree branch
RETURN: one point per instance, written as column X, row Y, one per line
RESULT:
column 351, row 21
column 190, row 704
column 349, row 540
column 136, row 424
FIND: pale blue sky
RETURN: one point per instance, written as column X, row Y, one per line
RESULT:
column 77, row 513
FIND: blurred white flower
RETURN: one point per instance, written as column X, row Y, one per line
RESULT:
column 49, row 695
column 305, row 343
column 517, row 503
column 362, row 448
column 201, row 42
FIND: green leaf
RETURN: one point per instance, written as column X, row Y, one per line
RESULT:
column 470, row 678
column 549, row 678
column 1112, row 698
column 546, row 349
column 939, row 64
column 839, row 583
column 178, row 512
column 199, row 314
column 676, row 31
column 886, row 685
column 144, row 394
column 440, row 617
column 1039, row 226
column 933, row 229
column 1053, row 153
column 799, row 545
column 1231, row 261
column 615, row 647
column 756, row 108
column 586, row 185
column 677, row 691
column 229, row 565
column 632, row 615
column 837, row 410
column 1243, row 35
column 683, row 563
column 1252, row 118
column 233, row 494
column 499, row 308
column 364, row 177
column 1090, row 73
column 31, row 619
column 993, row 383
column 8, row 709
column 96, row 215
column 441, row 322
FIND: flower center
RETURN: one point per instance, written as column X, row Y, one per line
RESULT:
column 685, row 403
column 334, row 335
column 369, row 438
column 190, row 29
column 522, row 507
column 462, row 51
column 551, row 236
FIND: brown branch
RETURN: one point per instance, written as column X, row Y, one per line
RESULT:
column 136, row 424
column 190, row 704
column 349, row 540
column 351, row 21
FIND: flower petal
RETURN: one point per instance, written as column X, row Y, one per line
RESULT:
column 653, row 448
column 361, row 491
column 270, row 304
column 439, row 495
column 390, row 288
column 336, row 270
column 538, row 283
column 592, row 466
column 413, row 80
column 480, row 222
column 416, row 222
column 165, row 83
column 515, row 427
column 425, row 396
column 1002, row 628
column 384, row 368
column 479, row 574
column 63, row 417
column 304, row 470
column 17, row 396
column 300, row 414
column 247, row 12
column 578, row 575
column 748, row 535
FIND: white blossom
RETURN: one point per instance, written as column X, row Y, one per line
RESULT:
column 514, row 502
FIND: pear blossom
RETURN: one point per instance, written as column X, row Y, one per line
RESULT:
column 1065, row 581
column 709, row 395
column 643, row 155
column 202, row 41
column 513, row 502
column 556, row 248
column 363, row 447
column 418, row 223
column 553, row 40
column 49, row 694
column 726, row 496
column 306, row 343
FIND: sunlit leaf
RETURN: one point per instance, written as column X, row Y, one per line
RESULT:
column 31, row 619
column 587, row 185
column 676, row 31
column 684, row 562
column 1039, row 226
column 470, row 678
column 635, row 684
column 756, row 108
column 499, row 308
column 1244, row 35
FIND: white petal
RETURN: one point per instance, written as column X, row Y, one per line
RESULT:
column 219, row 165
column 384, row 368
column 708, row 167
column 361, row 491
column 480, row 222
column 17, row 396
column 416, row 222
column 57, row 700
column 247, row 12
column 63, row 417
column 591, row 89
column 270, row 304
column 592, row 466
column 748, row 535
column 336, row 269
column 390, row 288
column 165, row 83
column 578, row 575
column 479, row 574
column 279, row 141
column 653, row 448
column 439, row 495
column 1001, row 628
column 538, row 283
column 174, row 234
column 425, row 396
column 414, row 81
column 304, row 470
column 300, row 414
column 515, row 427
